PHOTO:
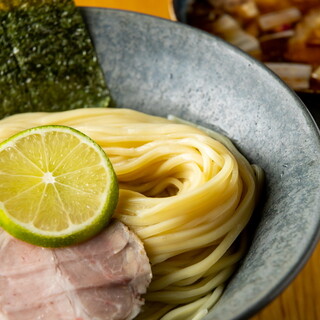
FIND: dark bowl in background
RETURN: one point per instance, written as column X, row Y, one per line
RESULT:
column 180, row 8
column 311, row 100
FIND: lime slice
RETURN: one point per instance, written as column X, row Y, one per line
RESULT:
column 57, row 186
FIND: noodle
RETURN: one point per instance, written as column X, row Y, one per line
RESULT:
column 186, row 192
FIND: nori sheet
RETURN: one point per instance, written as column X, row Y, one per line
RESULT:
column 14, row 95
column 47, row 60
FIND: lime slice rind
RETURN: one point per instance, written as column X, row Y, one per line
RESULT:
column 91, row 187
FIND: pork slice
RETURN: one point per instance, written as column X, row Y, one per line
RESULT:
column 102, row 278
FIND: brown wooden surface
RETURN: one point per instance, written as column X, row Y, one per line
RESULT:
column 160, row 8
column 301, row 300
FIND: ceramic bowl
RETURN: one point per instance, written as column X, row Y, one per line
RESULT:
column 162, row 67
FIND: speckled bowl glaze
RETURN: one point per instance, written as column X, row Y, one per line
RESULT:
column 162, row 67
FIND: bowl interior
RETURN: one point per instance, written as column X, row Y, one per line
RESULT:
column 161, row 67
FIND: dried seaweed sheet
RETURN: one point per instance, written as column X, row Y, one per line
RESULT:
column 13, row 91
column 47, row 60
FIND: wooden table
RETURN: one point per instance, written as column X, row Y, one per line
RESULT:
column 301, row 300
column 160, row 8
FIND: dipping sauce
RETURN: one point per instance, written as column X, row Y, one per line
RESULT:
column 285, row 34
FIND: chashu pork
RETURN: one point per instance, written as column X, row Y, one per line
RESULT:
column 102, row 278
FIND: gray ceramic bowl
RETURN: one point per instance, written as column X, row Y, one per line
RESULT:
column 163, row 67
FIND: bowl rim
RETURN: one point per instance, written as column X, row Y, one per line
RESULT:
column 315, row 237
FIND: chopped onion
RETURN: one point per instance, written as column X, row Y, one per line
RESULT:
column 248, row 10
column 243, row 40
column 316, row 74
column 296, row 75
column 224, row 24
column 230, row 30
column 278, row 35
column 275, row 19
